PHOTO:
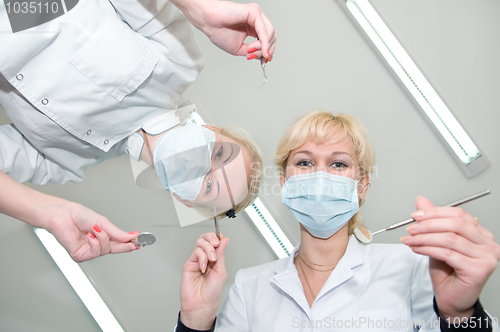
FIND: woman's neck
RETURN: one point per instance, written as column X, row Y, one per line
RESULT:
column 323, row 251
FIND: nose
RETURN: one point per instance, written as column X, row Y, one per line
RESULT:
column 212, row 169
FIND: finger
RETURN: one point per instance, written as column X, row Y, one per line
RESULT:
column 208, row 248
column 454, row 259
column 463, row 265
column 447, row 240
column 448, row 225
column 91, row 250
column 201, row 257
column 423, row 203
column 116, row 233
column 263, row 32
column 118, row 247
column 103, row 239
column 273, row 47
column 220, row 266
column 487, row 234
column 254, row 47
column 211, row 238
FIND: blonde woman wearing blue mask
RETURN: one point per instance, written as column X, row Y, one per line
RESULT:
column 330, row 281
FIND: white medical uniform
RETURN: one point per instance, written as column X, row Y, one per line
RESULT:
column 377, row 287
column 77, row 87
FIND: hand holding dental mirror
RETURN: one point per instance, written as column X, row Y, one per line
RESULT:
column 364, row 235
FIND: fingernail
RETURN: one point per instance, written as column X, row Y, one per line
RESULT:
column 404, row 238
column 215, row 242
column 203, row 268
column 267, row 55
column 418, row 213
column 135, row 232
column 412, row 227
column 251, row 50
column 267, row 60
column 139, row 247
column 92, row 236
column 213, row 257
column 96, row 228
column 251, row 56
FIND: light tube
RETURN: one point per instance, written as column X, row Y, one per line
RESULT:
column 269, row 228
column 412, row 78
column 80, row 283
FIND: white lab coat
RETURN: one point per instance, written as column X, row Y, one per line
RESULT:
column 377, row 287
column 81, row 84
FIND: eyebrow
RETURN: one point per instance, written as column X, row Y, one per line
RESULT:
column 229, row 157
column 334, row 153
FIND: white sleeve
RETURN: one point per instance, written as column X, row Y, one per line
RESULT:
column 233, row 316
column 22, row 162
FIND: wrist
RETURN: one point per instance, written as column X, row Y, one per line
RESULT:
column 454, row 314
column 197, row 320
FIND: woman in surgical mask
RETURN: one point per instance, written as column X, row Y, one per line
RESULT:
column 330, row 281
column 213, row 170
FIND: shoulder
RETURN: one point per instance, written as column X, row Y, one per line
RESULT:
column 394, row 255
column 261, row 272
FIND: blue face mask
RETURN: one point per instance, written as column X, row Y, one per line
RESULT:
column 182, row 159
column 323, row 203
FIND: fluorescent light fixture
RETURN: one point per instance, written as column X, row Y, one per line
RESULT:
column 257, row 212
column 269, row 229
column 80, row 283
column 465, row 152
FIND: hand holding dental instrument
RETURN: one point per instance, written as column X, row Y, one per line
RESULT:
column 364, row 235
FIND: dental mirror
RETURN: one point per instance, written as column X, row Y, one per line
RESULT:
column 364, row 235
column 144, row 239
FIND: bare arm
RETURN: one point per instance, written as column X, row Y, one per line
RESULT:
column 84, row 233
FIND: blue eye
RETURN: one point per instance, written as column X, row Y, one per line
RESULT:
column 305, row 163
column 219, row 153
column 209, row 186
column 339, row 164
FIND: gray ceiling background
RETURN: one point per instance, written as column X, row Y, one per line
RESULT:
column 321, row 61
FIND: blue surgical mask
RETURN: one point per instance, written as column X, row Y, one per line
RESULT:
column 182, row 159
column 323, row 203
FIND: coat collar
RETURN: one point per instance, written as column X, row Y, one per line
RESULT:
column 287, row 279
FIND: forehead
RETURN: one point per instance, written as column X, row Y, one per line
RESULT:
column 335, row 142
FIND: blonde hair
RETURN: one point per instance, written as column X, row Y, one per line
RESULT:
column 318, row 126
column 243, row 139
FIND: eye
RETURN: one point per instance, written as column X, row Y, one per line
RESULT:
column 339, row 164
column 305, row 163
column 209, row 186
column 219, row 153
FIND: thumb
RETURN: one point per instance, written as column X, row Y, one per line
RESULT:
column 423, row 203
column 116, row 233
column 220, row 250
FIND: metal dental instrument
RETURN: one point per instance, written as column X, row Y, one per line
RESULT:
column 144, row 239
column 364, row 235
column 263, row 65
column 216, row 221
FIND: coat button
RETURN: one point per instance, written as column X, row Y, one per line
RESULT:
column 106, row 142
column 19, row 77
column 89, row 132
column 45, row 101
